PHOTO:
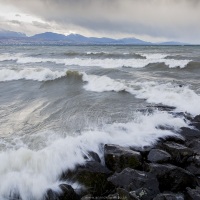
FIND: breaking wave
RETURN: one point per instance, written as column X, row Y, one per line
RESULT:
column 116, row 62
column 179, row 96
column 30, row 173
column 39, row 74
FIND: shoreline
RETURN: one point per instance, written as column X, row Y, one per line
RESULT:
column 170, row 169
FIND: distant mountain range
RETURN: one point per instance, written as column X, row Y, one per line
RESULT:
column 11, row 34
column 10, row 37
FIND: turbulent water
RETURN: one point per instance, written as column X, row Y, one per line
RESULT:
column 57, row 103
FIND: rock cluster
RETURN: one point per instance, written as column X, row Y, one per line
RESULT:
column 170, row 170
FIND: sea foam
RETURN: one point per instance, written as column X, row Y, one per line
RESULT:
column 103, row 62
column 37, row 74
column 30, row 173
column 170, row 94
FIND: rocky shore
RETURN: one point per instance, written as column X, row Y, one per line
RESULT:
column 169, row 170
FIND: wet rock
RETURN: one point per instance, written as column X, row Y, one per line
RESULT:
column 87, row 197
column 194, row 166
column 117, row 158
column 131, row 180
column 113, row 196
column 14, row 195
column 94, row 156
column 158, row 156
column 196, row 118
column 169, row 196
column 194, row 145
column 142, row 194
column 93, row 176
column 124, row 194
column 196, row 125
column 172, row 178
column 179, row 153
column 193, row 194
column 66, row 193
column 189, row 133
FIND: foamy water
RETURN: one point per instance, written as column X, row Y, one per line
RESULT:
column 59, row 103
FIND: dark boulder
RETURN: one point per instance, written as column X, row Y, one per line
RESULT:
column 169, row 196
column 194, row 166
column 196, row 118
column 158, row 156
column 179, row 152
column 172, row 178
column 194, row 145
column 93, row 176
column 196, row 125
column 66, row 193
column 189, row 133
column 117, row 158
column 193, row 194
column 131, row 180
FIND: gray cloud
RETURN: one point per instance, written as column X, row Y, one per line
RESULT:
column 173, row 19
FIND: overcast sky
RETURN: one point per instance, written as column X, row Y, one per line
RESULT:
column 151, row 20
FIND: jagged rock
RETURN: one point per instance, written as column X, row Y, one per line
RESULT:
column 93, row 176
column 194, row 166
column 158, row 156
column 179, row 152
column 169, row 196
column 172, row 178
column 67, row 192
column 193, row 194
column 117, row 158
column 131, row 180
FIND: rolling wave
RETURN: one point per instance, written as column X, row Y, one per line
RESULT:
column 39, row 74
column 170, row 94
column 31, row 173
column 103, row 62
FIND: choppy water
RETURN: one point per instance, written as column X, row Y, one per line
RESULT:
column 59, row 102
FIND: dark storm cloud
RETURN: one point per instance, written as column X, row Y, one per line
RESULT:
column 15, row 22
column 157, row 18
column 41, row 25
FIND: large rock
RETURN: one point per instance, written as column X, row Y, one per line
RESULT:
column 189, row 133
column 194, row 166
column 179, row 152
column 193, row 194
column 172, row 178
column 67, row 192
column 117, row 158
column 194, row 145
column 131, row 180
column 169, row 196
column 196, row 118
column 93, row 176
column 158, row 156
